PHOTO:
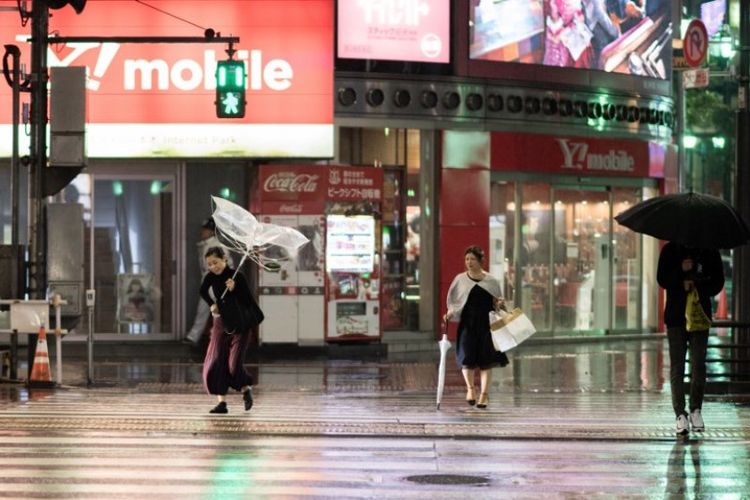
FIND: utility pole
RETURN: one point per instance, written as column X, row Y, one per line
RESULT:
column 38, row 147
column 741, row 262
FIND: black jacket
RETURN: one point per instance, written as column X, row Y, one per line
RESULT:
column 217, row 283
column 707, row 274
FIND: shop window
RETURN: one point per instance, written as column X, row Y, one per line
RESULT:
column 501, row 261
column 535, row 254
column 394, row 254
column 627, row 262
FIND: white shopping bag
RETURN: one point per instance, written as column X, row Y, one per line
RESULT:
column 510, row 329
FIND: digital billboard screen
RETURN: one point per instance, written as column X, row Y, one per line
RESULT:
column 403, row 30
column 712, row 15
column 616, row 36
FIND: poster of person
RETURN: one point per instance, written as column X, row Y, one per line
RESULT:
column 135, row 298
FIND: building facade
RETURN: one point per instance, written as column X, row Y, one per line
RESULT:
column 524, row 141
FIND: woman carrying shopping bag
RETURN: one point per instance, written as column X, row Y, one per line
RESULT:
column 471, row 296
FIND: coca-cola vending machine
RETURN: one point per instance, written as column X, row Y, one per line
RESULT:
column 293, row 297
column 329, row 290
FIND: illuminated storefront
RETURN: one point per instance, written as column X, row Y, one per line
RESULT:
column 543, row 206
column 156, row 150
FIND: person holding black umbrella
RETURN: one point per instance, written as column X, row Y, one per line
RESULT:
column 682, row 269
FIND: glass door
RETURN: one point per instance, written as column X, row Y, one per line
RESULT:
column 627, row 264
column 582, row 260
column 134, row 250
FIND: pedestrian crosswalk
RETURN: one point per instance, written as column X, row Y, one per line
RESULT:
column 565, row 416
column 132, row 464
column 355, row 439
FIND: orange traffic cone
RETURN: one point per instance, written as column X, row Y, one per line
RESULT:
column 40, row 372
column 721, row 307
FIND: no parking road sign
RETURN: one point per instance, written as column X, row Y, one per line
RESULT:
column 695, row 43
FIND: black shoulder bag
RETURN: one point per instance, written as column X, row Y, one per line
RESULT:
column 238, row 317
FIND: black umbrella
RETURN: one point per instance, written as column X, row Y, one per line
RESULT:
column 695, row 220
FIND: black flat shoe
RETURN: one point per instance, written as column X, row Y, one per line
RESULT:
column 247, row 396
column 220, row 408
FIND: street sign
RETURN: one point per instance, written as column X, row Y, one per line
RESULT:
column 695, row 43
column 695, row 78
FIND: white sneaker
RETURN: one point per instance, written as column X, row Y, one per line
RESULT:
column 696, row 421
column 682, row 425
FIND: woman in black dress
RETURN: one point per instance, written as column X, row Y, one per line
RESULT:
column 224, row 364
column 471, row 297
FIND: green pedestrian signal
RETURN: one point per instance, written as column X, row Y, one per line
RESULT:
column 230, row 89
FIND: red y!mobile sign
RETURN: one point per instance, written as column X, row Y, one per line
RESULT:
column 158, row 99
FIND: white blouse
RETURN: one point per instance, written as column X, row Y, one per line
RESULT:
column 458, row 293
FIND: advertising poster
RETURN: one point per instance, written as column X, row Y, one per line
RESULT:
column 350, row 244
column 631, row 37
column 400, row 30
column 135, row 298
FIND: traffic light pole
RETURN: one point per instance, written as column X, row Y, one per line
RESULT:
column 38, row 147
column 741, row 260
column 37, row 234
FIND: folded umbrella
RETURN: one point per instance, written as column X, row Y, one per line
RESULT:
column 444, row 346
column 692, row 219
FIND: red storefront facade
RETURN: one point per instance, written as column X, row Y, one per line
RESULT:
column 542, row 207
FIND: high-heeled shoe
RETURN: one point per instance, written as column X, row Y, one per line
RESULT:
column 471, row 398
column 484, row 400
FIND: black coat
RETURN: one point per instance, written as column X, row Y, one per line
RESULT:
column 217, row 283
column 707, row 274
column 238, row 308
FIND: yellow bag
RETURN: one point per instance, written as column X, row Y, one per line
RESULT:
column 696, row 318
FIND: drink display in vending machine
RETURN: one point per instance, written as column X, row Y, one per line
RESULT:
column 352, row 271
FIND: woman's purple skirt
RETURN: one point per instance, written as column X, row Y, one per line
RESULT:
column 224, row 364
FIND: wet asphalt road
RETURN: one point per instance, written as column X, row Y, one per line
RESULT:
column 565, row 421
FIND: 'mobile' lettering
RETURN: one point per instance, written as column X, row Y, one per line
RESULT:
column 619, row 161
column 188, row 74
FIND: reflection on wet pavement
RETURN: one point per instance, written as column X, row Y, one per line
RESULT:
column 627, row 366
column 565, row 421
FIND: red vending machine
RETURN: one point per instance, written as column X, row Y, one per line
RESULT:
column 330, row 290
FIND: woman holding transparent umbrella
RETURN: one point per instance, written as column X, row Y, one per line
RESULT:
column 224, row 366
column 471, row 297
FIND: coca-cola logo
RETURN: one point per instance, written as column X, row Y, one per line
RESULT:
column 294, row 208
column 290, row 182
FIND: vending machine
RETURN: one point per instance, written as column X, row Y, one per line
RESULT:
column 292, row 297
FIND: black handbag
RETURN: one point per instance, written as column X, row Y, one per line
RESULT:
column 238, row 317
column 256, row 313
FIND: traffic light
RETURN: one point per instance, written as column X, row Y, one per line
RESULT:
column 230, row 89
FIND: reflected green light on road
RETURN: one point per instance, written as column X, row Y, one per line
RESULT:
column 231, row 480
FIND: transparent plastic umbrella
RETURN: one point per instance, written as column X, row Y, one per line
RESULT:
column 240, row 231
column 444, row 344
